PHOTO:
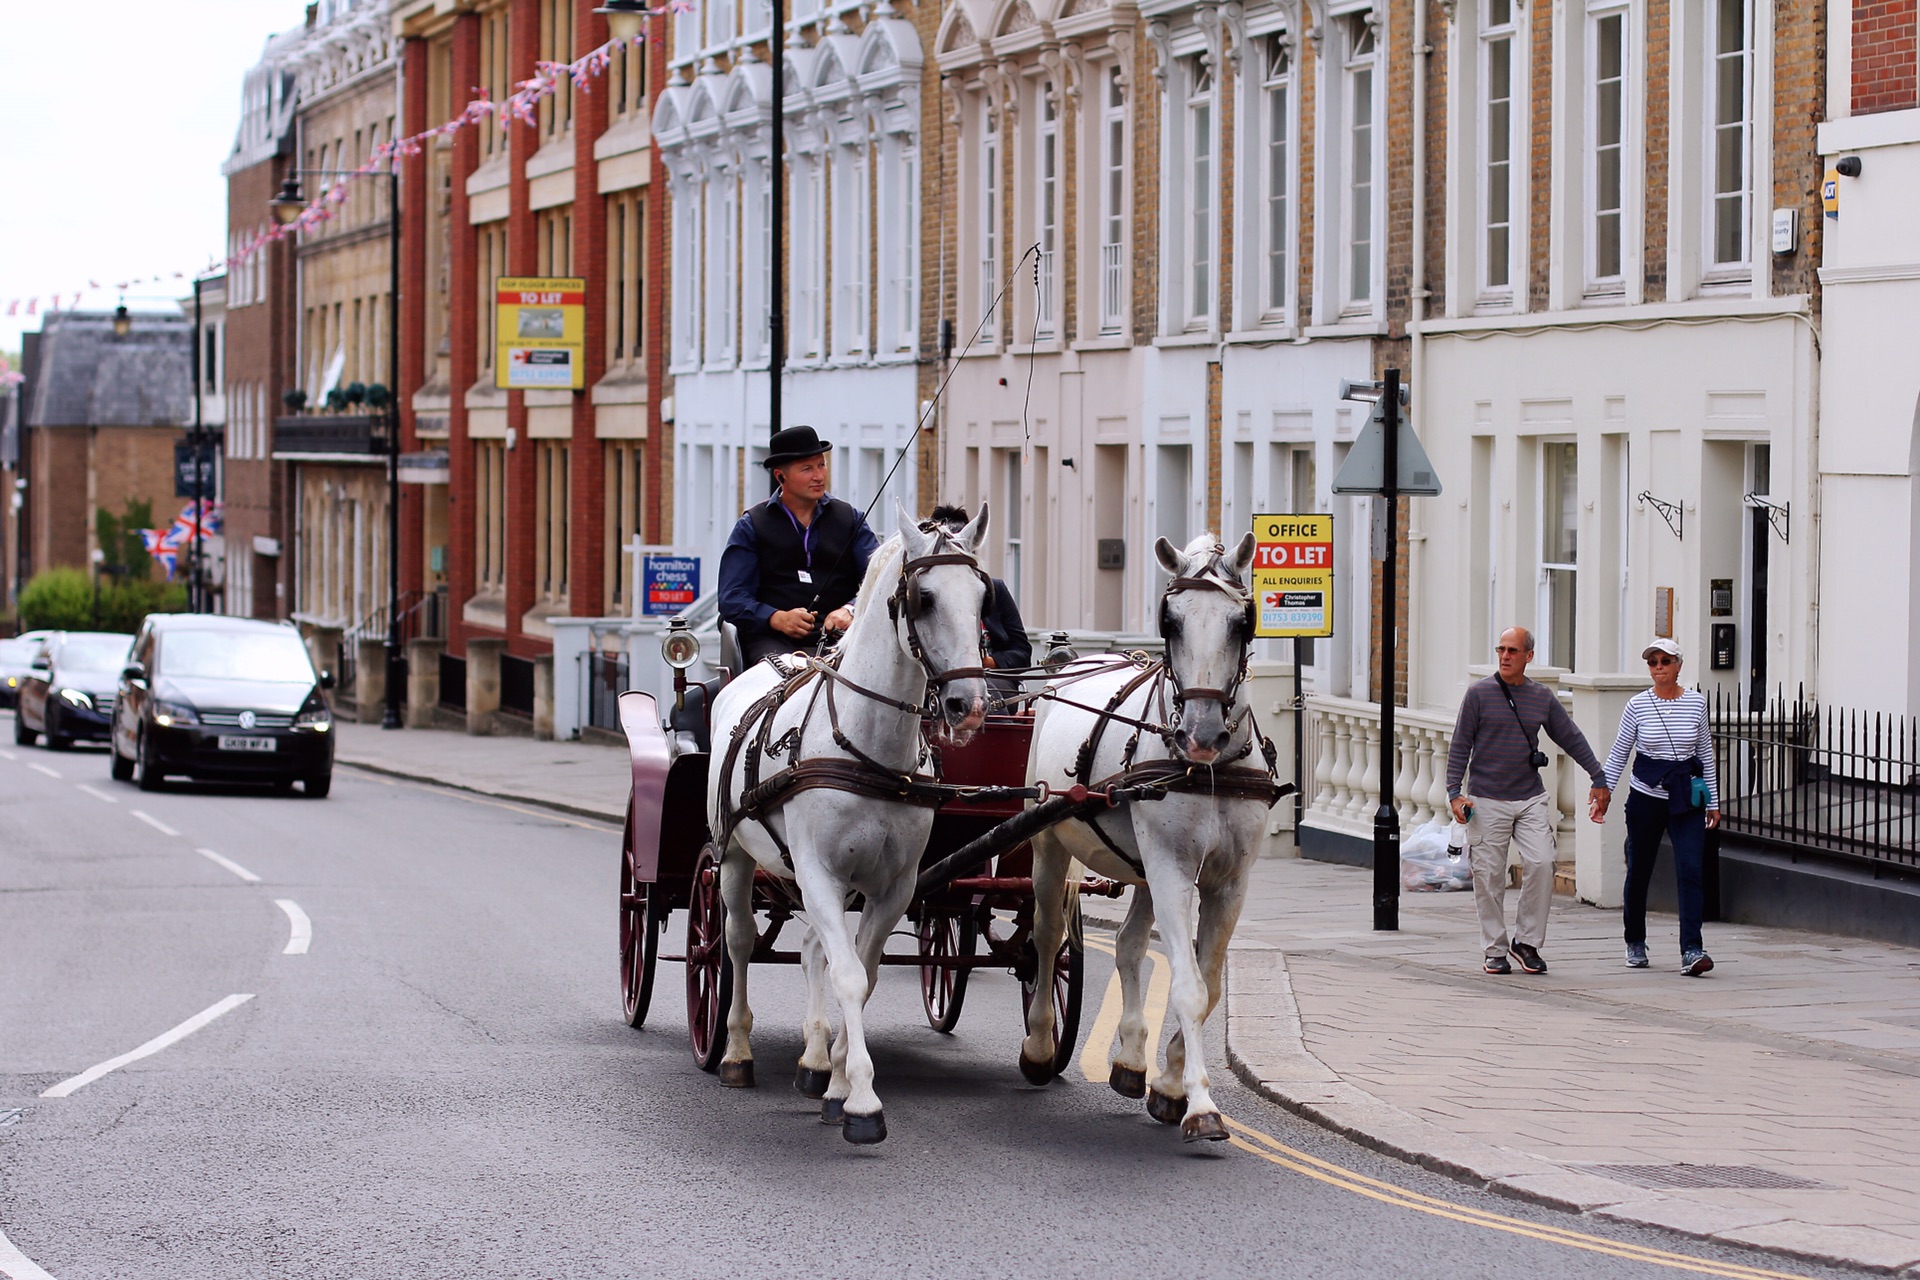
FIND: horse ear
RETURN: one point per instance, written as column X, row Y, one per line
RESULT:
column 1170, row 559
column 1243, row 556
column 975, row 531
column 910, row 535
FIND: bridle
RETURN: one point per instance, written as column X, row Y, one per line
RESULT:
column 1207, row 580
column 905, row 602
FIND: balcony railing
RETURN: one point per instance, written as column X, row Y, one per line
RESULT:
column 1044, row 316
column 363, row 435
column 1112, row 309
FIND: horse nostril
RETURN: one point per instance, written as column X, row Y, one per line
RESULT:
column 957, row 708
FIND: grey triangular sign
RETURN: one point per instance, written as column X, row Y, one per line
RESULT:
column 1365, row 470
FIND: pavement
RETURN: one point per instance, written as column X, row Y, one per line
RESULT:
column 1774, row 1103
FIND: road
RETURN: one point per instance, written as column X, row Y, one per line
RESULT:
column 410, row 1063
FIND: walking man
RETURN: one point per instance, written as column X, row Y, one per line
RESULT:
column 1497, row 739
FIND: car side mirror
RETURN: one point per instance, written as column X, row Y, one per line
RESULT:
column 40, row 663
column 134, row 674
column 326, row 679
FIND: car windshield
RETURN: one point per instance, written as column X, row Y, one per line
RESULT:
column 94, row 652
column 280, row 658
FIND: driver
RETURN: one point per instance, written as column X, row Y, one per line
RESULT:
column 794, row 562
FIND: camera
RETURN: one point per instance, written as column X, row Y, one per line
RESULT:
column 1537, row 759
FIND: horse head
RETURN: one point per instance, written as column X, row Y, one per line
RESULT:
column 1206, row 620
column 941, row 599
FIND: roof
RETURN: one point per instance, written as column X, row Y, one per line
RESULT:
column 218, row 622
column 86, row 377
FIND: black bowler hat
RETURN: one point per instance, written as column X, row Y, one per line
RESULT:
column 790, row 444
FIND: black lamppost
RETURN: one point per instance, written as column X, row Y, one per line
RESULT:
column 197, row 450
column 287, row 208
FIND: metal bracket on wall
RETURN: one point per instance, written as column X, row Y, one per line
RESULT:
column 1779, row 514
column 1669, row 511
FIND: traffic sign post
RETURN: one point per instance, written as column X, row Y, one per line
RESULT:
column 1386, row 460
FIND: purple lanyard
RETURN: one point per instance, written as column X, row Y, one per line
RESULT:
column 805, row 531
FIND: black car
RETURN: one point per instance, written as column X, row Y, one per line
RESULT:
column 223, row 698
column 69, row 689
column 16, row 664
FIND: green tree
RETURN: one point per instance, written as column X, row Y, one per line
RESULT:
column 119, row 537
column 61, row 599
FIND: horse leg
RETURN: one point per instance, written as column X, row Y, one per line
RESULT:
column 1186, row 1068
column 814, row 1074
column 1049, row 926
column 736, row 891
column 864, row 1121
column 1127, row 1072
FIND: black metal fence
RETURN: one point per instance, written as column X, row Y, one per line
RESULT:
column 605, row 680
column 1827, row 779
column 516, row 686
column 453, row 683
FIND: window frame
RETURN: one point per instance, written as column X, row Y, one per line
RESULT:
column 1362, row 30
column 1595, row 284
column 1491, row 292
column 1274, row 90
column 1111, row 289
column 1714, row 268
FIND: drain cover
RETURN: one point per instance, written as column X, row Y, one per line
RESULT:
column 1742, row 1177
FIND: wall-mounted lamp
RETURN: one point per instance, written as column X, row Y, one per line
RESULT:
column 1847, row 166
column 122, row 322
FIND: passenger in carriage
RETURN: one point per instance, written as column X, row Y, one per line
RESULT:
column 1005, row 635
column 794, row 562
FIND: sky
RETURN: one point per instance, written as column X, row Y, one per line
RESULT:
column 115, row 116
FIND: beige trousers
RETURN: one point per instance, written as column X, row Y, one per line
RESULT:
column 1528, row 824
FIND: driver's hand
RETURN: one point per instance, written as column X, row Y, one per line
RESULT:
column 795, row 624
column 840, row 619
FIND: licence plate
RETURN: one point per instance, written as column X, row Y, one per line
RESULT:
column 233, row 742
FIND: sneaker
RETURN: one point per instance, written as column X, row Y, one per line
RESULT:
column 1498, row 964
column 1695, row 963
column 1529, row 959
column 1636, row 955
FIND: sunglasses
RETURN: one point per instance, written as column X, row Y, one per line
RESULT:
column 1662, row 660
column 1510, row 649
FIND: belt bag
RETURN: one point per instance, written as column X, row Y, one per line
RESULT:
column 1678, row 778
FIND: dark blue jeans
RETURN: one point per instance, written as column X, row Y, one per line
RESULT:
column 1647, row 820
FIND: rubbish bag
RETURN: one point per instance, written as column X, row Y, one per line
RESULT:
column 1427, row 865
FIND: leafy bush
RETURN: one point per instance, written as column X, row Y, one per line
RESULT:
column 64, row 599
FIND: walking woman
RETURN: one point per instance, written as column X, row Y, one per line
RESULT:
column 1676, row 791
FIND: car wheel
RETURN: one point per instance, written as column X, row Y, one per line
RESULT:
column 22, row 736
column 150, row 778
column 56, row 741
column 122, row 765
column 318, row 787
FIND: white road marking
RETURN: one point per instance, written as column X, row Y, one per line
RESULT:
column 1096, row 1055
column 302, row 935
column 16, row 1265
column 154, row 822
column 8, row 755
column 96, row 793
column 51, row 773
column 230, row 865
column 74, row 1084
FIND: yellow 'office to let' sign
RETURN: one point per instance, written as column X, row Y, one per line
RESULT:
column 1293, row 576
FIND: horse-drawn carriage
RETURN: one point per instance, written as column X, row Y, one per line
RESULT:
column 901, row 795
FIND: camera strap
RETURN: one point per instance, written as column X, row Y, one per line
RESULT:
column 1533, row 742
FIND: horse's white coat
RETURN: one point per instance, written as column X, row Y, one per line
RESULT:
column 1195, row 849
column 845, row 844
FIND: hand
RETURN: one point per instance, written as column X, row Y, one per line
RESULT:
column 1597, row 801
column 986, row 660
column 795, row 624
column 840, row 619
column 1713, row 819
column 1460, row 804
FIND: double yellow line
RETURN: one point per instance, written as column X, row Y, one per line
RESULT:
column 1093, row 1060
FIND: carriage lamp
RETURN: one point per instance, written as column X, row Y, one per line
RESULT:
column 680, row 647
column 289, row 204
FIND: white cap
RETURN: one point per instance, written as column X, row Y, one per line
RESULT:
column 1661, row 644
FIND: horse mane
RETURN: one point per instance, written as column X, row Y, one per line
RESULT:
column 1212, row 555
column 882, row 567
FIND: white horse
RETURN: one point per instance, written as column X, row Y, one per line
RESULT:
column 1186, row 724
column 852, row 733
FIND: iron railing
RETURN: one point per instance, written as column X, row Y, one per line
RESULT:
column 516, row 686
column 605, row 678
column 453, row 683
column 1112, row 310
column 1824, row 779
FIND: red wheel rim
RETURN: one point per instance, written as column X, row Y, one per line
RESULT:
column 939, row 943
column 706, row 962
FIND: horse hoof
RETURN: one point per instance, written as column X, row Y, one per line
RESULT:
column 1205, row 1126
column 737, row 1075
column 865, row 1130
column 833, row 1110
column 811, row 1082
column 1164, row 1107
column 1128, row 1082
column 1040, row 1072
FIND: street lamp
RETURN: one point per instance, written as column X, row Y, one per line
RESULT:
column 625, row 18
column 122, row 322
column 286, row 208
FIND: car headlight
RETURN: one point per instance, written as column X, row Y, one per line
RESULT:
column 167, row 714
column 679, row 647
column 13, row 682
column 317, row 718
column 75, row 698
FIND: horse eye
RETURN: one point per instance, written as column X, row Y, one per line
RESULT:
column 927, row 600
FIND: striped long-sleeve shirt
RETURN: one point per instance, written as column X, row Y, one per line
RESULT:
column 1665, row 729
column 1497, row 742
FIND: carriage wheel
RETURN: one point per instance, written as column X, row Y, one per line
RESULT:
column 1069, row 976
column 943, row 984
column 643, row 916
column 709, row 970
